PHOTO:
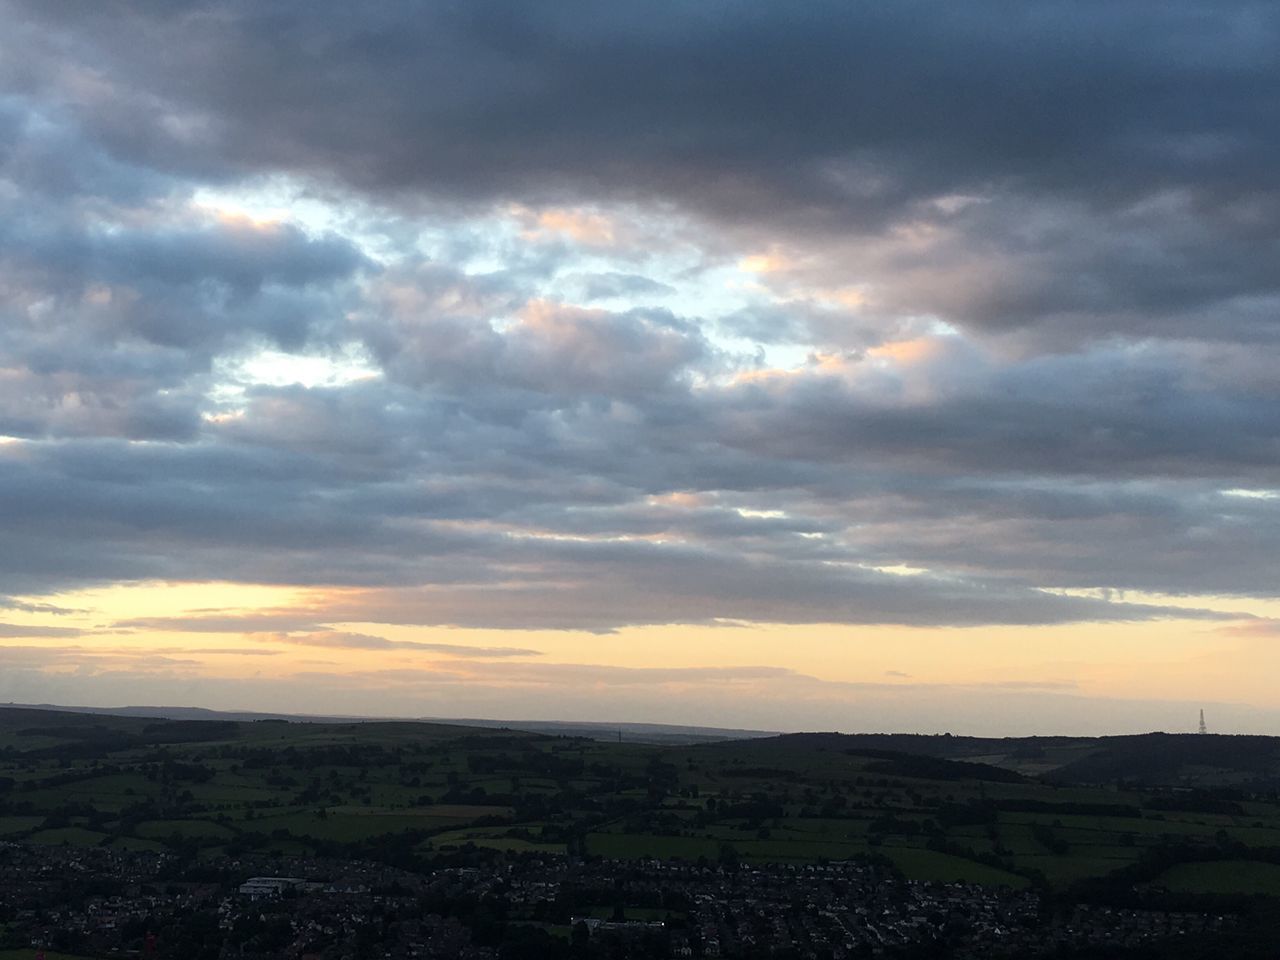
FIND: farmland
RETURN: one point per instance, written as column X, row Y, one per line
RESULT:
column 1054, row 813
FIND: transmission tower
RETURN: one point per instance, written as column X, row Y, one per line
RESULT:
column 1203, row 728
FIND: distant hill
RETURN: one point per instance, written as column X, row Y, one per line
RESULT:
column 1153, row 759
column 652, row 733
column 183, row 713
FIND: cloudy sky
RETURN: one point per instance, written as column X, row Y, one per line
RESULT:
column 840, row 365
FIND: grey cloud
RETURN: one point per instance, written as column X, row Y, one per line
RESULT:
column 767, row 679
column 10, row 630
column 220, row 651
column 601, row 587
column 87, row 660
column 555, row 674
column 25, row 606
column 68, row 405
column 361, row 501
column 175, row 287
column 117, row 294
column 549, row 349
column 1173, row 538
column 364, row 641
column 485, row 578
column 306, row 628
column 1104, row 412
column 221, row 623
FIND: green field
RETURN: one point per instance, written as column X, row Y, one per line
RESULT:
column 1223, row 876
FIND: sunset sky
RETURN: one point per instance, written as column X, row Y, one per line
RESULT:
column 860, row 366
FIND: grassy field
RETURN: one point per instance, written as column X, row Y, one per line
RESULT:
column 1223, row 876
column 217, row 787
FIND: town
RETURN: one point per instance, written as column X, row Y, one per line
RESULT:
column 103, row 902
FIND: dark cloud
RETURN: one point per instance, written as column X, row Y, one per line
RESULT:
column 751, row 103
column 1123, row 153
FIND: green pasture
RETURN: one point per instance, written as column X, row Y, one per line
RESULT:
column 1068, row 869
column 1223, row 876
column 109, row 792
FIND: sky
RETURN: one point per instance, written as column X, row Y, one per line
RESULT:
column 840, row 365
